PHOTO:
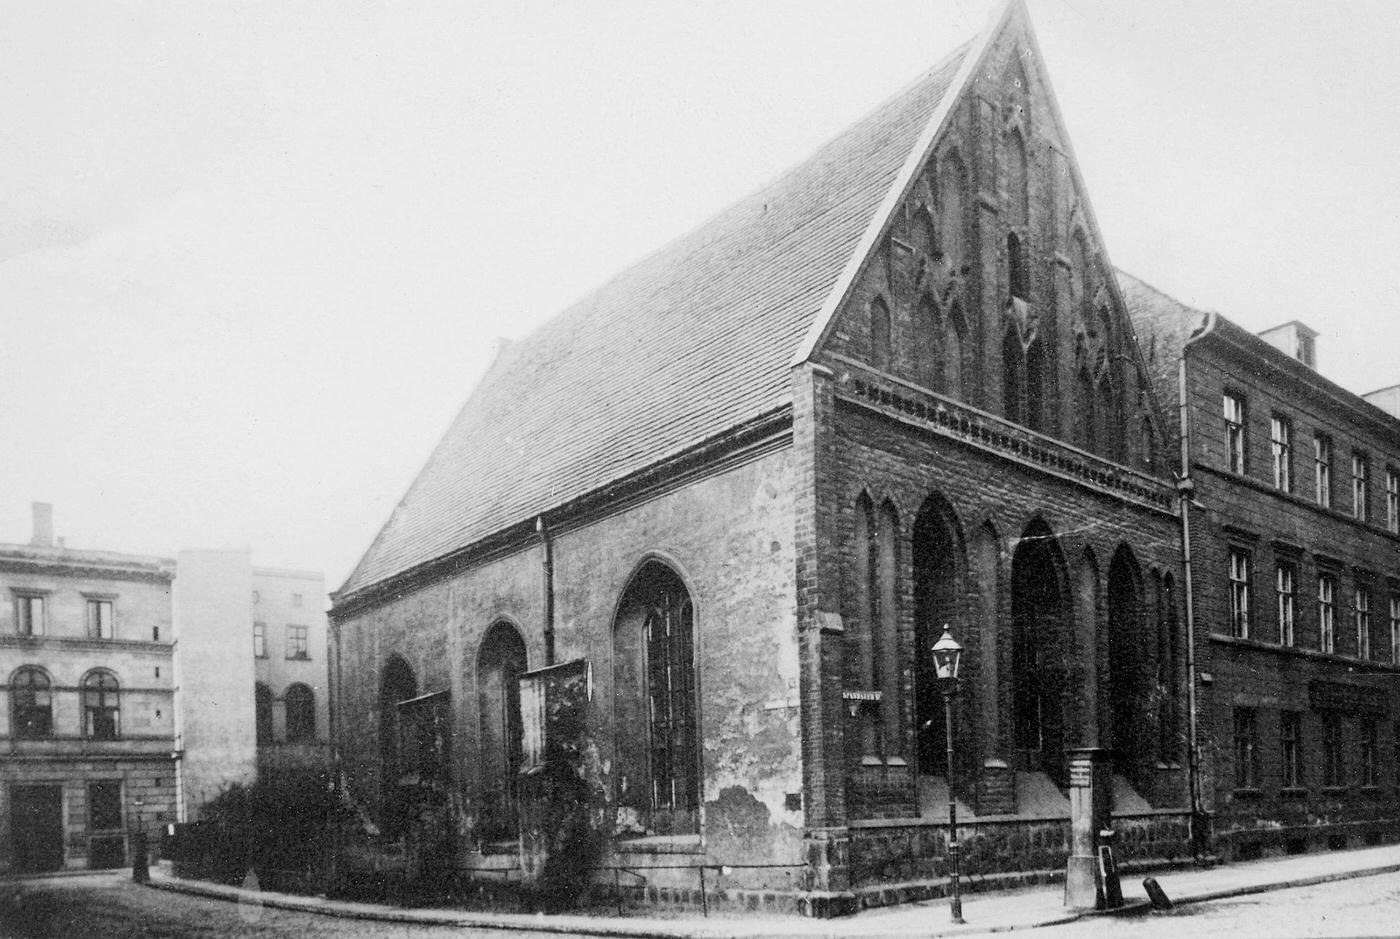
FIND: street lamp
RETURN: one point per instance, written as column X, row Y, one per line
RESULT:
column 947, row 657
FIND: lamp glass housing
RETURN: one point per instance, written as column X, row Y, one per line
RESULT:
column 947, row 657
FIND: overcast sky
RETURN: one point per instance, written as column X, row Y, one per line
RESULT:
column 253, row 256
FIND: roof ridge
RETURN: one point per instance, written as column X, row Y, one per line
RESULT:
column 786, row 173
column 690, row 339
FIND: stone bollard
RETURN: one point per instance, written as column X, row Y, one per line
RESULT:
column 1090, row 800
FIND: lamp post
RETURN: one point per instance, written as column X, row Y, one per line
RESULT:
column 947, row 656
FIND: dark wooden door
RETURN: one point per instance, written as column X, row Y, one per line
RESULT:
column 37, row 823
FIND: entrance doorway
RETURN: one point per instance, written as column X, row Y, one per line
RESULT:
column 36, row 819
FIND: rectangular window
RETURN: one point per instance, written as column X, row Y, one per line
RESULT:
column 29, row 614
column 1370, row 739
column 104, row 805
column 1322, row 470
column 1392, row 500
column 260, row 640
column 1360, row 486
column 1395, row 628
column 1239, row 593
column 1327, row 613
column 99, row 619
column 1333, row 770
column 1246, row 749
column 1234, row 433
column 1291, row 748
column 1363, row 622
column 1281, row 445
column 296, row 643
column 1283, row 585
column 296, row 599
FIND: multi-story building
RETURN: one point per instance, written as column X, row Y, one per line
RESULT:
column 1293, row 538
column 290, row 665
column 87, row 720
column 253, row 672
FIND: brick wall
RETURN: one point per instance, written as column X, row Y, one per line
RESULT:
column 1261, row 673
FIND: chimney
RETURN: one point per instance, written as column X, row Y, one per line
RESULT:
column 1387, row 399
column 43, row 525
column 1296, row 339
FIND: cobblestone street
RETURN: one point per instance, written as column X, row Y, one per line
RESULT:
column 112, row 907
column 1366, row 906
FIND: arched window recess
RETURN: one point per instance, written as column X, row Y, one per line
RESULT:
column 101, row 706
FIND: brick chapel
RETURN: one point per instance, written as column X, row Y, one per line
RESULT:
column 739, row 491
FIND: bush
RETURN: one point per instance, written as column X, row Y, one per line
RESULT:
column 283, row 827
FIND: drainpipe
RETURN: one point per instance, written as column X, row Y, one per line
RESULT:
column 333, row 709
column 547, row 566
column 1185, row 488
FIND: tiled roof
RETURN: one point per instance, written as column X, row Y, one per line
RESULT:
column 690, row 342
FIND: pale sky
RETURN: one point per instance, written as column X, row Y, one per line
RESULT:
column 254, row 256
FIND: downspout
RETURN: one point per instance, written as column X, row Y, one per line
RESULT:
column 1185, row 488
column 333, row 703
column 547, row 568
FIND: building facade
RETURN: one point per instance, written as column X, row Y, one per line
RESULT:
column 253, row 673
column 291, row 671
column 749, row 483
column 87, row 724
column 1294, row 543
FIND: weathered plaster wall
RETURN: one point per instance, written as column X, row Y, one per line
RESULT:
column 729, row 536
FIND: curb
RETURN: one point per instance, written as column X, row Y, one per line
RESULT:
column 587, row 926
column 1289, row 884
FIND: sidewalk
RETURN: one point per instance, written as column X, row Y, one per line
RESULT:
column 984, row 912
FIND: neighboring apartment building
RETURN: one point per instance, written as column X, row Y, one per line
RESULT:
column 87, row 722
column 290, row 664
column 253, row 672
column 133, row 691
column 1295, row 553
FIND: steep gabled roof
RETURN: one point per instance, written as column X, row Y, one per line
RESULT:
column 687, row 344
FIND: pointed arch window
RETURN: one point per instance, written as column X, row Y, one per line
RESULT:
column 1012, row 367
column 397, row 683
column 952, row 183
column 1037, row 371
column 881, row 349
column 31, row 703
column 953, row 330
column 658, row 756
column 866, row 588
column 1039, row 621
column 1084, row 418
column 930, row 334
column 886, row 651
column 1017, row 268
column 1110, row 440
column 669, row 634
column 1018, row 196
column 500, row 663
